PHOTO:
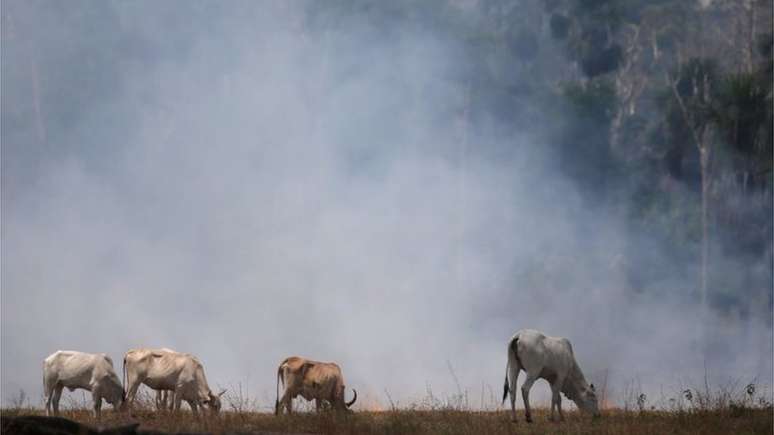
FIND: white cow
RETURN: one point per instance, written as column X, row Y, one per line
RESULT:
column 164, row 369
column 552, row 359
column 92, row 372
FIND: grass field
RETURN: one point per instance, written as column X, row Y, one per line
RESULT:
column 733, row 420
column 728, row 410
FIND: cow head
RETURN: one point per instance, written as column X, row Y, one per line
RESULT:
column 213, row 401
column 116, row 396
column 588, row 401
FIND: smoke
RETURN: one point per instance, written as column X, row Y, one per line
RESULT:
column 245, row 186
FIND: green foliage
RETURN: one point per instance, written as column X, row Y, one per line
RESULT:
column 594, row 101
column 740, row 110
column 585, row 154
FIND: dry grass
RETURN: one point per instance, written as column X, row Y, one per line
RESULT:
column 736, row 420
column 732, row 409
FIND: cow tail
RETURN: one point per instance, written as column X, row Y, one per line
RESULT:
column 512, row 346
column 123, row 372
column 507, row 365
column 354, row 399
column 280, row 376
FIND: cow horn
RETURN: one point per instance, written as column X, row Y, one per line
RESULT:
column 222, row 393
column 353, row 399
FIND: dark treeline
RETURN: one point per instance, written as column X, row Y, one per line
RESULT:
column 660, row 110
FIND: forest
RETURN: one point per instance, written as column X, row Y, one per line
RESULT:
column 660, row 110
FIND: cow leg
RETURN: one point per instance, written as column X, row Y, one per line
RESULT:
column 194, row 408
column 556, row 401
column 553, row 403
column 97, row 405
column 164, row 400
column 559, row 407
column 49, row 392
column 171, row 398
column 178, row 398
column 57, row 396
column 287, row 402
column 317, row 405
column 525, row 395
column 131, row 391
column 513, row 376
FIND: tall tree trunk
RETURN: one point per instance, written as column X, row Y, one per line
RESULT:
column 700, row 131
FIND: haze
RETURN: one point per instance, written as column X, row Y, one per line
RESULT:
column 244, row 187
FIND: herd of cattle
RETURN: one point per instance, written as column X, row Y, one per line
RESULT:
column 178, row 377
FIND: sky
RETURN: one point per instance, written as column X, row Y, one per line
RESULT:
column 248, row 188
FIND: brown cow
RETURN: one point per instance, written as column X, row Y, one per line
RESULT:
column 312, row 380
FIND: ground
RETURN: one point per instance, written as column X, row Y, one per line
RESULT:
column 726, row 421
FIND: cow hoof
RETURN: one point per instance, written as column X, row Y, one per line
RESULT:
column 529, row 419
column 514, row 420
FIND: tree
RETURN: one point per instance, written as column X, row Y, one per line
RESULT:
column 691, row 87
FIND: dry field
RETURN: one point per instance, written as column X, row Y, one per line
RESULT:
column 733, row 420
column 729, row 410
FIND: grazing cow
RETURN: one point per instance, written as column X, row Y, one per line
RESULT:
column 552, row 359
column 92, row 372
column 312, row 380
column 164, row 369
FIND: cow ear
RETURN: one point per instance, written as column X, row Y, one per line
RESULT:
column 222, row 393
